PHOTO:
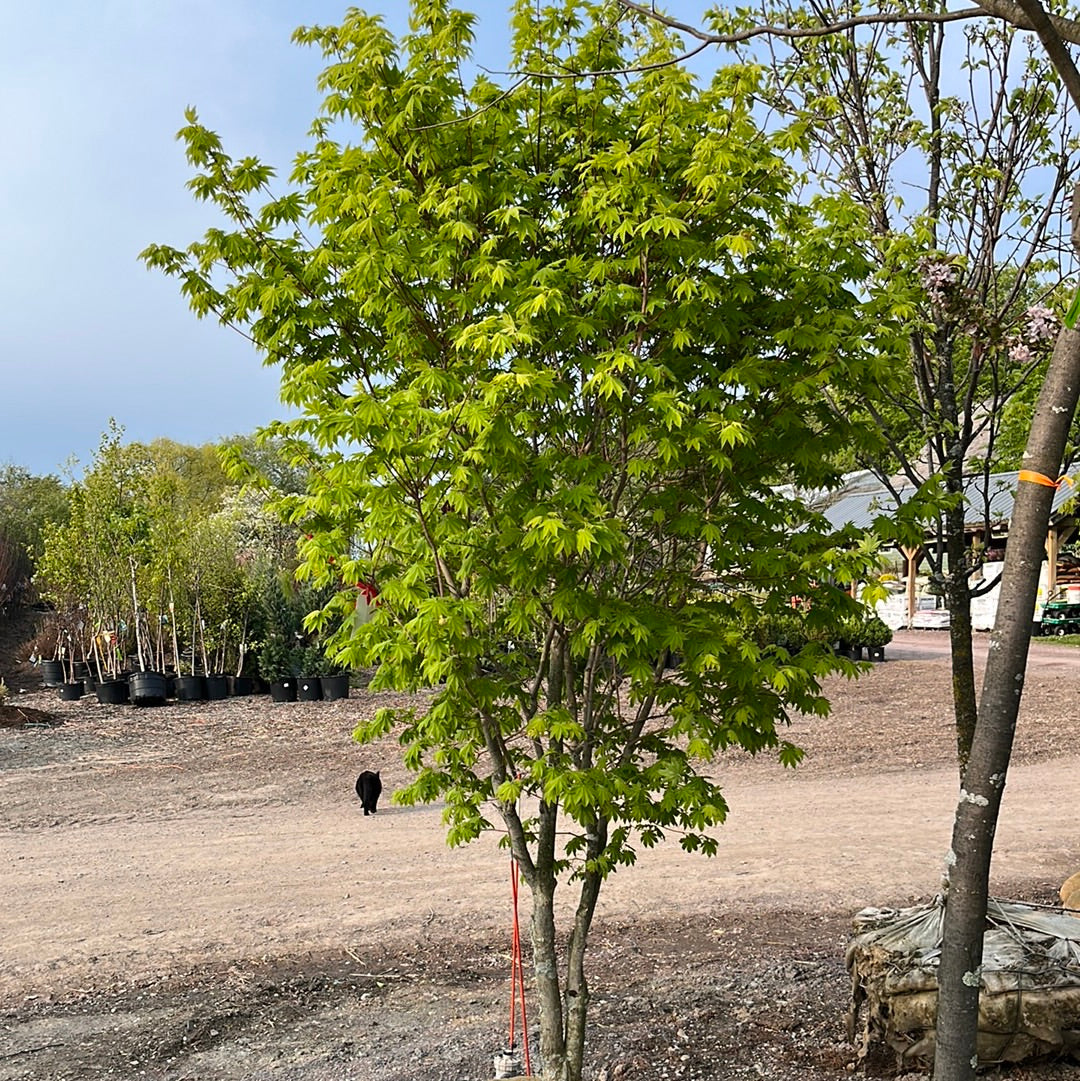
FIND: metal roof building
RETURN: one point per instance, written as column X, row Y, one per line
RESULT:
column 860, row 505
column 989, row 502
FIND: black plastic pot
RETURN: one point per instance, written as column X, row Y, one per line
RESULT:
column 335, row 686
column 52, row 673
column 113, row 692
column 190, row 688
column 241, row 686
column 72, row 692
column 217, row 687
column 309, row 689
column 147, row 688
column 283, row 690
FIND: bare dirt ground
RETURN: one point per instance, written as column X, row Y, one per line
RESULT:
column 192, row 892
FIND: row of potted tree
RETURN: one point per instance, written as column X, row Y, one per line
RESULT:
column 167, row 579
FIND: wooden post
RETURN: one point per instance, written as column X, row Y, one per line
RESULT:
column 1052, row 546
column 912, row 557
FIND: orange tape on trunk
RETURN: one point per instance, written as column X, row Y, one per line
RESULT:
column 1041, row 478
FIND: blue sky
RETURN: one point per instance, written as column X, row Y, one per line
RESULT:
column 92, row 93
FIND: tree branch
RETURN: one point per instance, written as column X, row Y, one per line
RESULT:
column 1050, row 35
column 1016, row 14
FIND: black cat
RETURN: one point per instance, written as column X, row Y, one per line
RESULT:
column 368, row 788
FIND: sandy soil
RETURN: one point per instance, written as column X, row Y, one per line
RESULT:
column 192, row 891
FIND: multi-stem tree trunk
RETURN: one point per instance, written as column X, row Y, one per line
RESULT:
column 984, row 777
column 563, row 1003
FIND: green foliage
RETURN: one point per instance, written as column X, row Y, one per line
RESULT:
column 791, row 629
column 553, row 349
column 547, row 395
column 279, row 653
column 267, row 464
column 287, row 646
column 276, row 658
column 164, row 552
column 28, row 504
column 876, row 632
column 850, row 631
column 87, row 560
column 314, row 662
column 864, row 629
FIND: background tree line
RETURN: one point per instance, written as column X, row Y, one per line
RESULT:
column 155, row 556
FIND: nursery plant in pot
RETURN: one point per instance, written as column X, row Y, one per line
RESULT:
column 217, row 683
column 335, row 685
column 276, row 666
column 313, row 666
column 146, row 687
column 188, row 686
column 281, row 653
column 61, row 582
column 217, row 582
column 112, row 686
column 73, row 654
column 239, row 684
column 42, row 651
column 52, row 672
column 235, row 636
column 851, row 639
column 231, row 653
column 876, row 635
column 217, row 686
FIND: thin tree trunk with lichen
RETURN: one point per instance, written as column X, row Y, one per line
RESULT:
column 962, row 658
column 577, row 987
column 977, row 811
column 968, row 871
column 553, row 1052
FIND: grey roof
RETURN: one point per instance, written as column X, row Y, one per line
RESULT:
column 861, row 507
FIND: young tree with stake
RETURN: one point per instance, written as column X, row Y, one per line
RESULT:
column 557, row 343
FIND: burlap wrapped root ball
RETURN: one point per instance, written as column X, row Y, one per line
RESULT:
column 1029, row 999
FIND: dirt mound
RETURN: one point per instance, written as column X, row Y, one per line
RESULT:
column 25, row 717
